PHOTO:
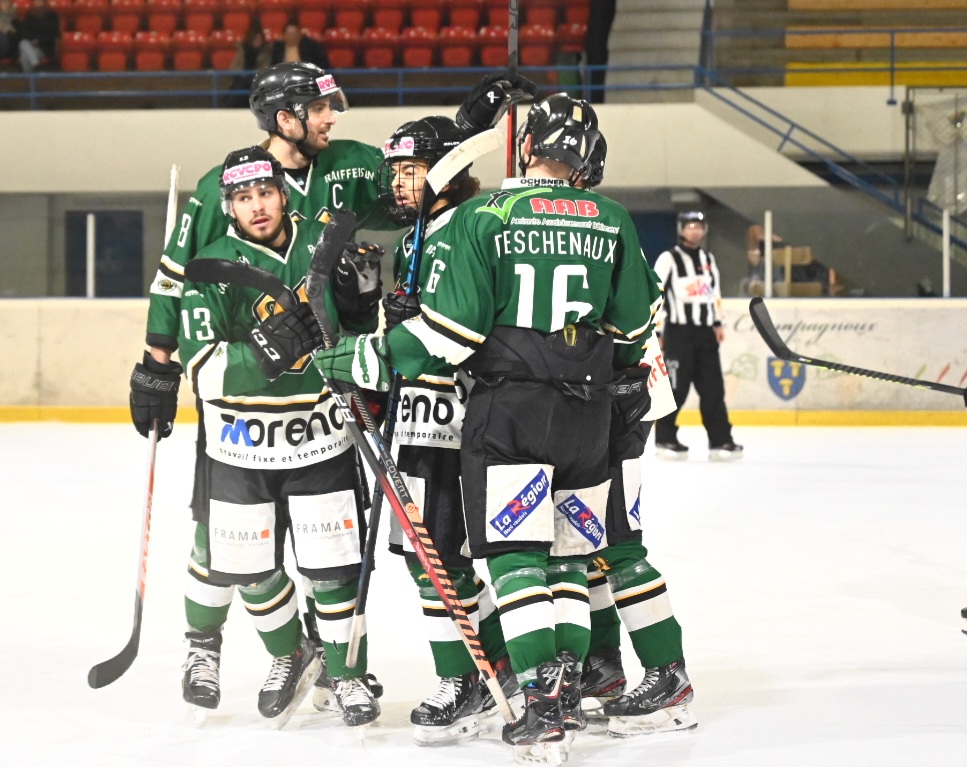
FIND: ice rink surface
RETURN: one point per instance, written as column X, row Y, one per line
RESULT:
column 819, row 583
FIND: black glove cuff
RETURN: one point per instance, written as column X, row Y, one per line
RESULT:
column 161, row 368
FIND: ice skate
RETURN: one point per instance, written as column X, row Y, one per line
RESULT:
column 322, row 699
column 451, row 714
column 354, row 701
column 602, row 679
column 671, row 451
column 200, row 684
column 288, row 683
column 658, row 704
column 538, row 733
column 571, row 713
column 727, row 452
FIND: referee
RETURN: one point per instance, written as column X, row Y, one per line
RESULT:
column 691, row 331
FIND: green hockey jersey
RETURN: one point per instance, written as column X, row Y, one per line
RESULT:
column 341, row 177
column 250, row 421
column 535, row 254
column 431, row 408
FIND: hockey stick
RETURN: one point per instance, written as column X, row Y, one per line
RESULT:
column 513, row 57
column 376, row 453
column 437, row 178
column 220, row 271
column 763, row 323
column 112, row 669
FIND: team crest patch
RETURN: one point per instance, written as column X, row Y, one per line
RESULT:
column 785, row 377
column 582, row 519
column 523, row 504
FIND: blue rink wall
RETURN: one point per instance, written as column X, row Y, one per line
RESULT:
column 74, row 359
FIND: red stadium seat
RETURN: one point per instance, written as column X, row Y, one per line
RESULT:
column 150, row 51
column 163, row 16
column 498, row 14
column 199, row 15
column 493, row 47
column 543, row 12
column 536, row 45
column 237, row 16
column 222, row 45
column 126, row 15
column 465, row 13
column 577, row 11
column 379, row 47
column 275, row 14
column 314, row 15
column 76, row 49
column 570, row 37
column 341, row 47
column 458, row 47
column 418, row 47
column 89, row 16
column 188, row 50
column 114, row 51
column 389, row 14
column 428, row 14
column 351, row 16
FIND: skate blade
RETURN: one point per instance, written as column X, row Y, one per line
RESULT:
column 301, row 691
column 593, row 708
column 553, row 754
column 670, row 455
column 668, row 719
column 465, row 729
column 724, row 456
column 198, row 716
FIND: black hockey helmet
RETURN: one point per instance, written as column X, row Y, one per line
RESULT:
column 248, row 167
column 290, row 86
column 429, row 138
column 593, row 173
column 564, row 130
column 688, row 216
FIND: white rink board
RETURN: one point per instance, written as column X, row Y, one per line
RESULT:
column 915, row 338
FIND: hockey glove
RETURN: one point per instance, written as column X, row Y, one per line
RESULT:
column 492, row 97
column 281, row 340
column 154, row 394
column 630, row 395
column 357, row 359
column 399, row 307
column 356, row 287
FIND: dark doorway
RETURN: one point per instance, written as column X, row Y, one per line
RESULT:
column 119, row 253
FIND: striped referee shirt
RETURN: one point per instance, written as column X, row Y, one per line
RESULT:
column 690, row 281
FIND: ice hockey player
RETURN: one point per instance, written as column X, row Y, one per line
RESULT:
column 282, row 460
column 621, row 572
column 428, row 428
column 539, row 290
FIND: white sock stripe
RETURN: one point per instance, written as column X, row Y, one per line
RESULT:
column 336, row 631
column 439, row 627
column 574, row 588
column 637, row 590
column 572, row 611
column 207, row 595
column 265, row 623
column 263, row 607
column 533, row 617
column 647, row 613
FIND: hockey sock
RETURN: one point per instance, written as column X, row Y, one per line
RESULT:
column 526, row 609
column 335, row 604
column 274, row 609
column 491, row 634
column 605, row 623
column 206, row 605
column 568, row 579
column 450, row 655
column 642, row 600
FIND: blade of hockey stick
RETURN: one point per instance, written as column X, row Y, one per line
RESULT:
column 219, row 270
column 767, row 329
column 377, row 454
column 438, row 177
column 111, row 670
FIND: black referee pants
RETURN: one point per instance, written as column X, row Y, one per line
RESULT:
column 691, row 354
